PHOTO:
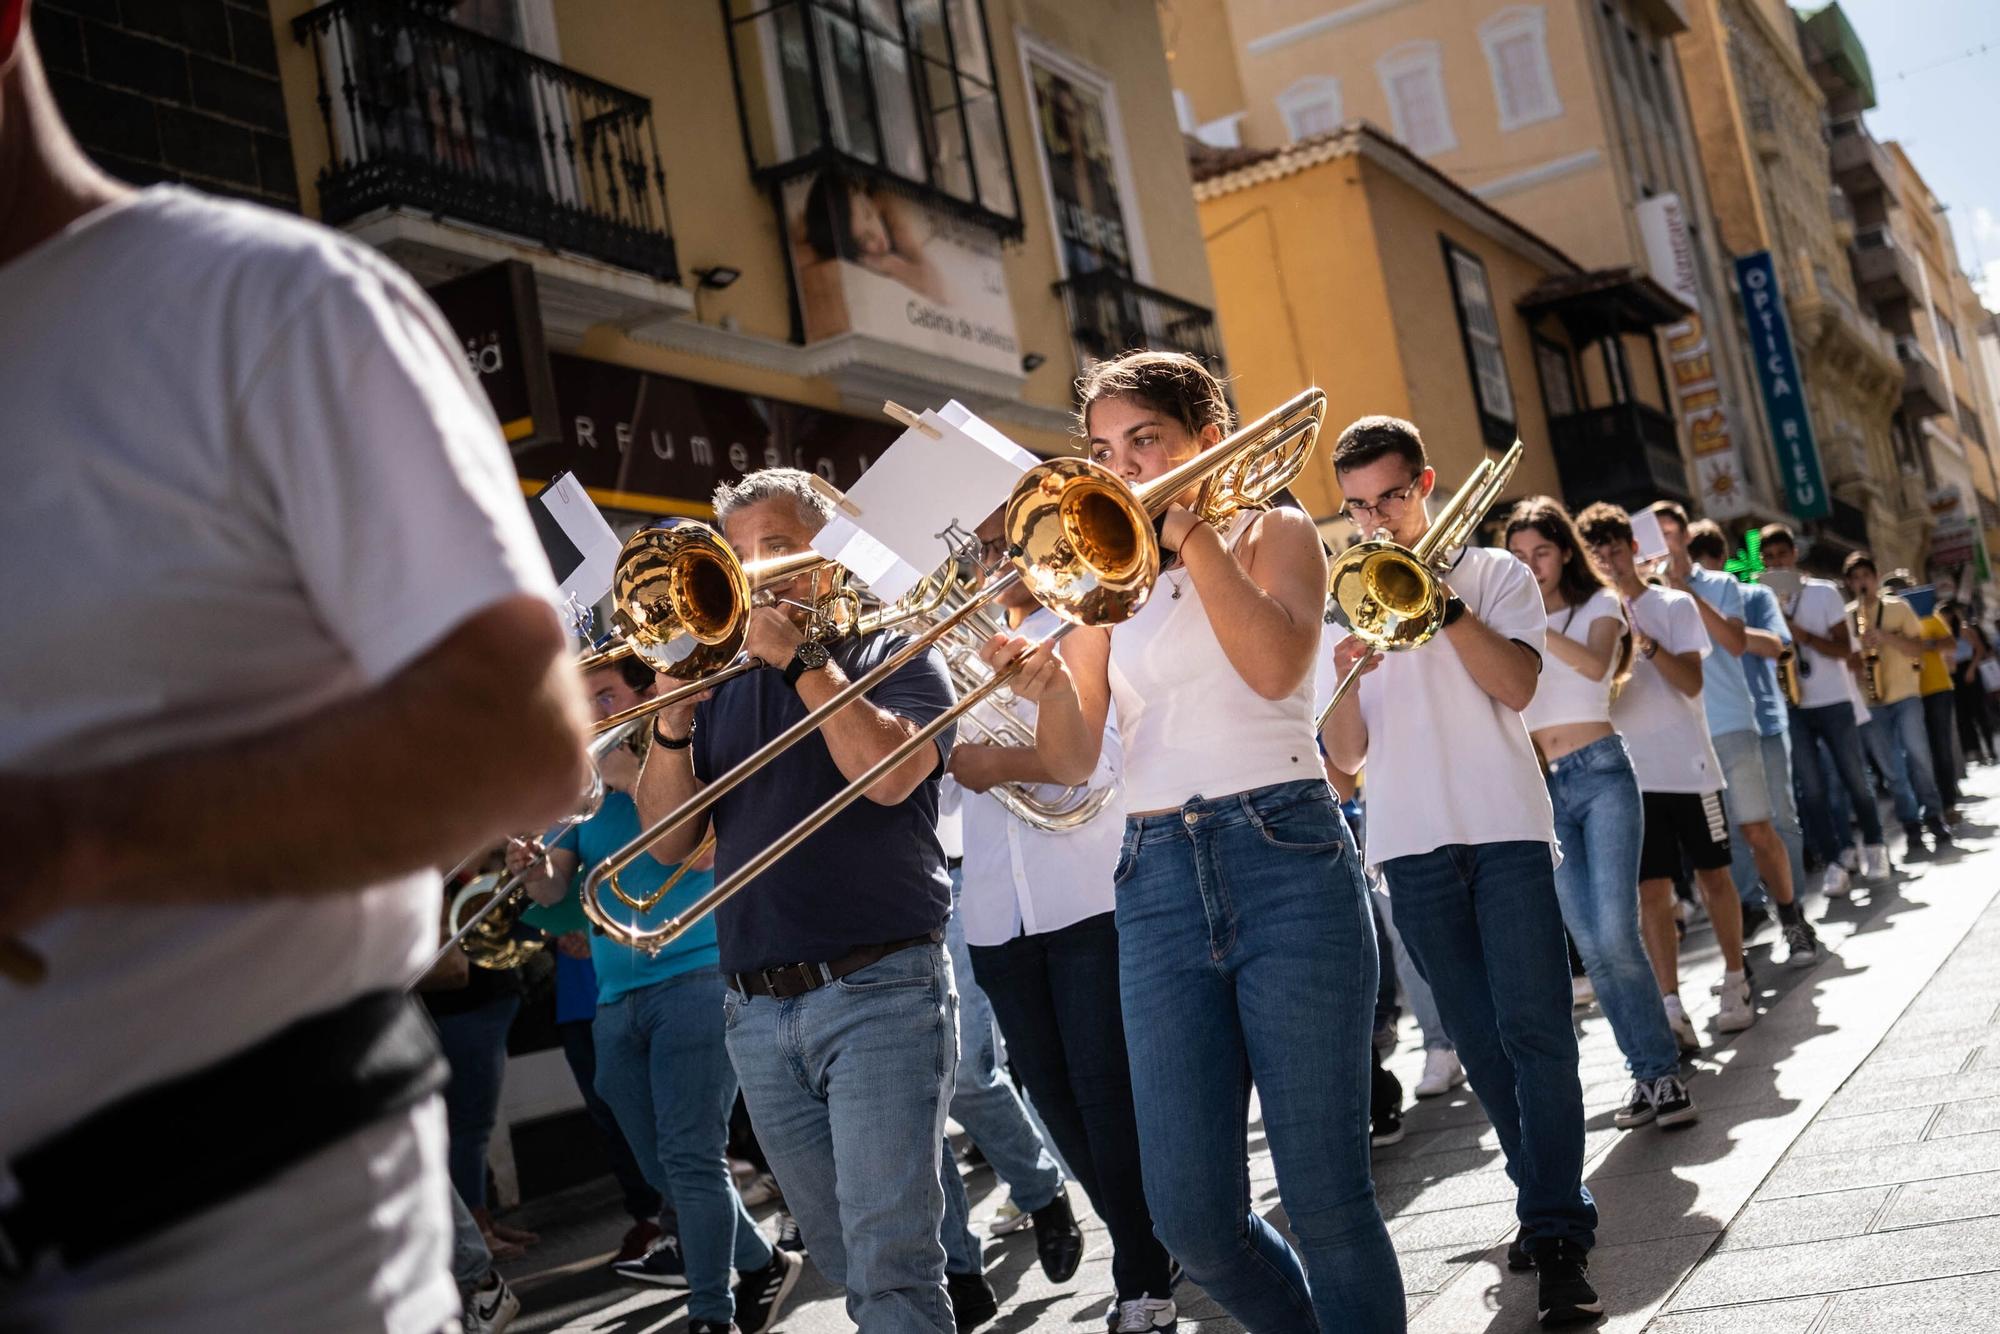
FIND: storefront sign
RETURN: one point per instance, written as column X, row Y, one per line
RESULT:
column 655, row 444
column 497, row 316
column 1954, row 542
column 1691, row 361
column 1074, row 128
column 871, row 260
column 1777, row 363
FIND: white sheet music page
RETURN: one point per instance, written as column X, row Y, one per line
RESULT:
column 919, row 491
column 582, row 549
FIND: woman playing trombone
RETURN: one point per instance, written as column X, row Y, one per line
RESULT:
column 1241, row 912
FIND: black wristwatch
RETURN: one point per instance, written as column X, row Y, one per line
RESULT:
column 1453, row 608
column 810, row 656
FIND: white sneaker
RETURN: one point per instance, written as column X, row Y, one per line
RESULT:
column 1737, row 1013
column 1850, row 858
column 491, row 1307
column 1141, row 1314
column 1008, row 1218
column 1875, row 862
column 1442, row 1073
column 1834, row 881
column 1677, row 1020
column 1582, row 995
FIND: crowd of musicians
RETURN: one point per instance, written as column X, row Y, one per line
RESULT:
column 290, row 643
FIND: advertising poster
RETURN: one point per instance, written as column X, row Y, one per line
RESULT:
column 1697, row 386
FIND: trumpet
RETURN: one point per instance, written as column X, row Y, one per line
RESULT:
column 1871, row 660
column 1083, row 541
column 1393, row 597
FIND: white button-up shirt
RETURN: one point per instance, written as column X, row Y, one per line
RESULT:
column 1019, row 880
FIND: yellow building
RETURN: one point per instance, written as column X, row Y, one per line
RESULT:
column 1759, row 117
column 1568, row 117
column 1432, row 306
column 745, row 226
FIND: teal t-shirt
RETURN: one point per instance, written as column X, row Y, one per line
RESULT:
column 621, row 968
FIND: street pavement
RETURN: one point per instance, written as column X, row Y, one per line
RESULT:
column 1844, row 1175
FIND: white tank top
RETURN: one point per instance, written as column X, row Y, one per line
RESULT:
column 1563, row 694
column 1190, row 725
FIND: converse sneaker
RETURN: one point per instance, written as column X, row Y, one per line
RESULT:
column 1874, row 862
column 661, row 1265
column 1442, row 1073
column 789, row 1236
column 1677, row 1020
column 1736, row 1013
column 761, row 1293
column 1638, row 1108
column 1801, row 944
column 1582, row 994
column 1566, row 1294
column 1671, row 1102
column 491, row 1307
column 1141, row 1314
column 1834, row 881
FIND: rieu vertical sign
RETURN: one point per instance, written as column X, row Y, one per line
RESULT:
column 1777, row 364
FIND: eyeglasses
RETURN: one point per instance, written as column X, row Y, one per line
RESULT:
column 1356, row 510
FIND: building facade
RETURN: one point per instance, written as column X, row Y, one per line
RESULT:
column 1570, row 118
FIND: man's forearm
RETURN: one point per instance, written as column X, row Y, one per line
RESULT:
column 1504, row 668
column 666, row 781
column 1727, row 633
column 1763, row 643
column 861, row 735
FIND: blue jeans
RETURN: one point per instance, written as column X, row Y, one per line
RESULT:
column 662, row 1066
column 1834, row 726
column 1483, row 926
column 1423, row 1006
column 1777, row 751
column 471, row 1261
column 1598, row 823
column 1246, row 954
column 475, row 1045
column 847, row 1086
column 642, row 1201
column 1901, row 748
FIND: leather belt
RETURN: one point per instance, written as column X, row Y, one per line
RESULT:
column 796, row 979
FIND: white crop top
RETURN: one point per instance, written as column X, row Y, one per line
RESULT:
column 1191, row 725
column 1564, row 694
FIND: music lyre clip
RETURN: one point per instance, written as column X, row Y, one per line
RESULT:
column 834, row 494
column 897, row 412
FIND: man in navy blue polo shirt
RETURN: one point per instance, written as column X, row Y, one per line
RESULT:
column 840, row 1010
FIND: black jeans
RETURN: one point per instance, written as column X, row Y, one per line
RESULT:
column 1941, row 723
column 1055, row 996
column 641, row 1200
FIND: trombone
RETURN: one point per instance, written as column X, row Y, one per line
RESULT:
column 1084, row 542
column 1393, row 597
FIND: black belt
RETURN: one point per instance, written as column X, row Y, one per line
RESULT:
column 162, row 1155
column 796, row 979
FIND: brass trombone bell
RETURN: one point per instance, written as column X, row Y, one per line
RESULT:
column 491, row 943
column 682, row 599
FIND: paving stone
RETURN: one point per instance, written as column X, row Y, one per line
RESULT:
column 1971, row 1085
column 1966, row 1118
column 1941, row 1201
column 1947, row 1306
column 1474, row 1227
column 1945, row 1058
column 1646, row 1206
column 1792, row 1317
column 1942, row 1250
column 1955, row 1156
column 1875, row 1130
column 1846, row 1213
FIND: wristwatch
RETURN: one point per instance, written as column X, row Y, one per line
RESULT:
column 1453, row 608
column 810, row 656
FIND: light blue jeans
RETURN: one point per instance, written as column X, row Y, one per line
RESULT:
column 1900, row 746
column 662, row 1067
column 1598, row 823
column 1423, row 1006
column 1784, row 818
column 847, row 1086
column 471, row 1261
column 1246, row 954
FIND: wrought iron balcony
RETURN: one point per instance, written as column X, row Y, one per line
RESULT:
column 1625, row 453
column 1109, row 314
column 425, row 115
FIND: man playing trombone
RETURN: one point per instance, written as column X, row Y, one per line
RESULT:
column 839, row 1010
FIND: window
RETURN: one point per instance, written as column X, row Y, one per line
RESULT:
column 1517, row 56
column 1558, row 381
column 1479, row 326
column 1084, row 164
column 902, row 86
column 1412, row 78
column 1948, row 336
column 1311, row 106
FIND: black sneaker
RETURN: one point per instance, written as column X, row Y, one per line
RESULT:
column 972, row 1300
column 761, row 1294
column 1385, row 1107
column 1940, row 833
column 1519, row 1257
column 1386, row 1128
column 789, row 1236
column 1058, row 1240
column 1671, row 1104
column 1913, row 840
column 1566, row 1294
column 712, row 1327
column 1801, row 944
column 1638, row 1109
column 661, row 1265
column 1755, row 918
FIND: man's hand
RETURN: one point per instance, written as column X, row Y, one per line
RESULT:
column 1677, row 571
column 676, row 720
column 574, row 944
column 972, row 764
column 1043, row 672
column 1351, row 650
column 524, row 854
column 771, row 638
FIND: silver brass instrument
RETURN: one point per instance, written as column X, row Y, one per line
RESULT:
column 1393, row 597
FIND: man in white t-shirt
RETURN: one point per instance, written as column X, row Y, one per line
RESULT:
column 1459, row 820
column 1817, row 615
column 1659, row 713
column 279, row 641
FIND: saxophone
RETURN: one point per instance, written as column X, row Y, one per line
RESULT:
column 1871, row 661
column 1789, row 676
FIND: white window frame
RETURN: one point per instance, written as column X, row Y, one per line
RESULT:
column 1463, row 264
column 1033, row 49
column 1305, row 94
column 1420, row 57
column 1521, row 21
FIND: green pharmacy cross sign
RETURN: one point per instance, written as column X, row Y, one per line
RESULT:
column 1748, row 562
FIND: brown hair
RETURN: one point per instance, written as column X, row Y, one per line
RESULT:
column 1778, row 534
column 1705, row 540
column 1667, row 509
column 1856, row 559
column 1369, row 438
column 1604, row 522
column 1580, row 579
column 1173, row 384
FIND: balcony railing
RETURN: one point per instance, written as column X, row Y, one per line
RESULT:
column 1968, row 424
column 423, row 114
column 1924, row 394
column 1625, row 453
column 1882, row 268
column 1109, row 314
column 1859, row 163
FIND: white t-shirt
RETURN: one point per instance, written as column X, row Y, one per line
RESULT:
column 1666, row 731
column 1818, row 609
column 1448, row 763
column 1564, row 694
column 251, row 475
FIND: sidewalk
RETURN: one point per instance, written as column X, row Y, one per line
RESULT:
column 1845, row 1142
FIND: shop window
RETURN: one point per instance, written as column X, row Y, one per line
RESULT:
column 1479, row 328
column 1311, row 107
column 1517, row 56
column 1412, row 78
